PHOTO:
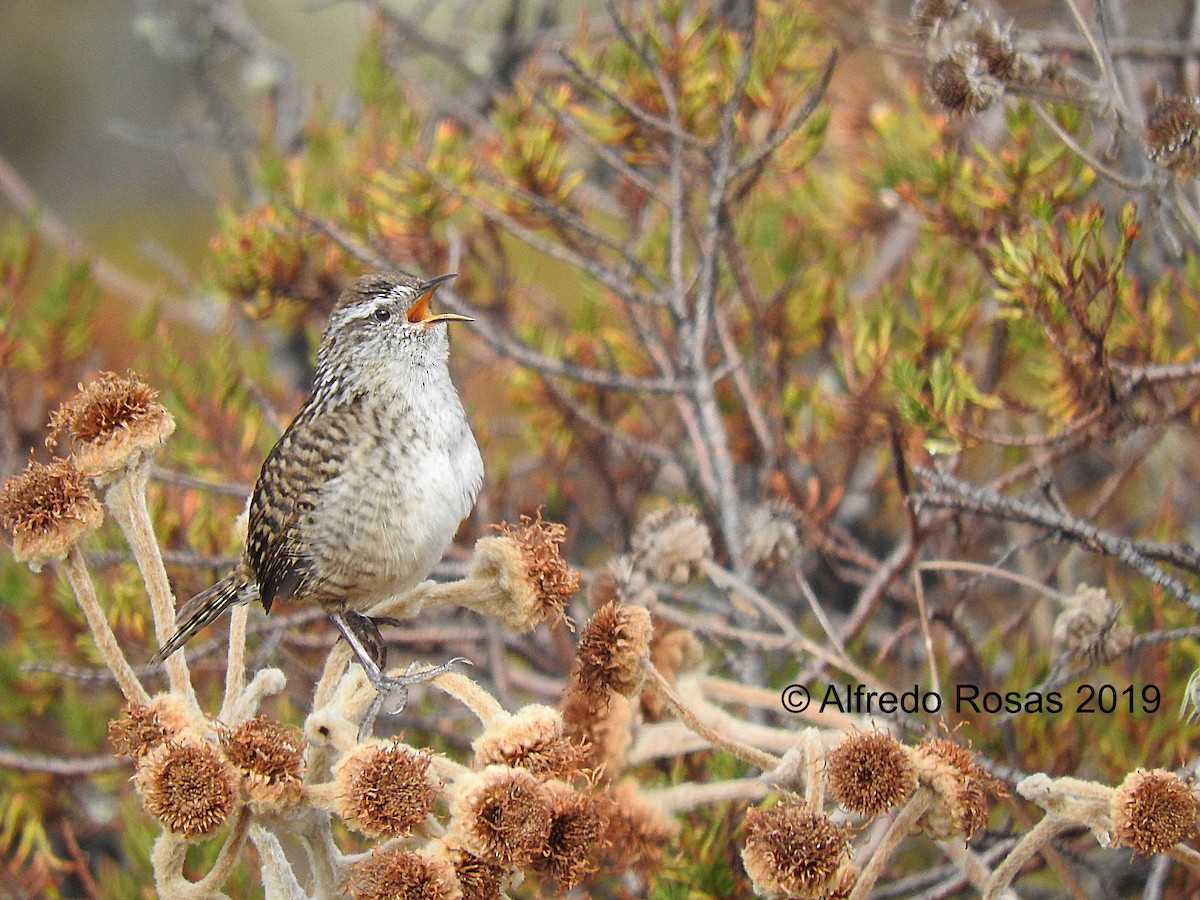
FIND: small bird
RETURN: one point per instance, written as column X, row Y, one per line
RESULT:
column 365, row 489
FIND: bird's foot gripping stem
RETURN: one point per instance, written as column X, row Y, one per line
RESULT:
column 362, row 634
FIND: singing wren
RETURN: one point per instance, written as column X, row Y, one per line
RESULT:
column 365, row 489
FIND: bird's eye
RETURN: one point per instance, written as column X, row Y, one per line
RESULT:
column 382, row 314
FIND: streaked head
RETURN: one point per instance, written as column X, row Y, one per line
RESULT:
column 385, row 319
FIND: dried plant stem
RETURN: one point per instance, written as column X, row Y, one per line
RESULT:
column 80, row 580
column 685, row 797
column 954, row 565
column 126, row 499
column 1027, row 847
column 235, row 667
column 170, row 851
column 279, row 881
column 471, row 695
column 930, row 652
column 1186, row 855
column 331, row 675
column 764, row 761
column 900, row 828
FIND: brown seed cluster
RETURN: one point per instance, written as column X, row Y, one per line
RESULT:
column 270, row 757
column 384, row 789
column 973, row 59
column 636, row 832
column 1172, row 127
column 793, row 852
column 138, row 730
column 962, row 787
column 1153, row 810
column 479, row 880
column 110, row 420
column 187, row 786
column 870, row 772
column 575, row 836
column 611, row 647
column 407, row 874
column 533, row 739
column 672, row 543
column 541, row 548
column 503, row 815
column 46, row 509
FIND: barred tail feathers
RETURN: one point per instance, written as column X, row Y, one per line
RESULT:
column 205, row 608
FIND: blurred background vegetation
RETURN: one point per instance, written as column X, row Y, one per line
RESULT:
column 891, row 285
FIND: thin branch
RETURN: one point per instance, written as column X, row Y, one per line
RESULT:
column 961, row 495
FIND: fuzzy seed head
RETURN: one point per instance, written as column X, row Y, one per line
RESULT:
column 1153, row 810
column 502, row 815
column 576, row 829
column 112, row 421
column 672, row 543
column 479, row 880
column 187, row 786
column 384, row 789
column 404, row 875
column 962, row 787
column 1088, row 627
column 636, row 831
column 141, row 728
column 962, row 84
column 793, row 852
column 611, row 648
column 870, row 771
column 772, row 534
column 46, row 509
column 1172, row 125
column 526, row 561
column 270, row 757
column 532, row 739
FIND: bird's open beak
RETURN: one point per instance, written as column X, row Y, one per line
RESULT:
column 419, row 314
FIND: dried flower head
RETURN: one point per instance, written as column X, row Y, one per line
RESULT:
column 961, row 83
column 636, row 832
column 672, row 543
column 407, row 874
column 962, row 787
column 526, row 561
column 46, row 509
column 501, row 815
column 601, row 726
column 186, row 785
column 793, row 852
column 611, row 648
column 619, row 580
column 140, row 728
column 532, row 739
column 927, row 15
column 576, row 832
column 1153, row 810
column 870, row 771
column 1088, row 627
column 1172, row 125
column 112, row 421
column 384, row 789
column 479, row 879
column 270, row 757
column 772, row 534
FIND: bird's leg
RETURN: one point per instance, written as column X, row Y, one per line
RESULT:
column 362, row 634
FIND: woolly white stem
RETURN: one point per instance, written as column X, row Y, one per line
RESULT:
column 235, row 666
column 126, row 500
column 900, row 828
column 85, row 594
